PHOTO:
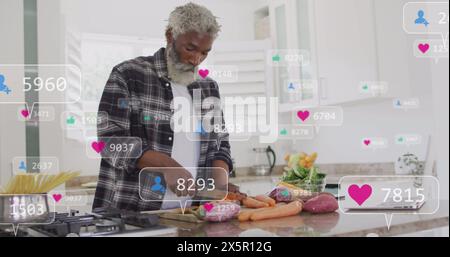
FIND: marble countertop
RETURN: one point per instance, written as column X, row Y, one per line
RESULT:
column 331, row 224
column 334, row 173
column 236, row 180
column 307, row 225
column 330, row 179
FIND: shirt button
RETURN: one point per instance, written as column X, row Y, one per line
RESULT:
column 167, row 84
column 170, row 138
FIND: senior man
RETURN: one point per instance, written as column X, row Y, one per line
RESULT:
column 148, row 85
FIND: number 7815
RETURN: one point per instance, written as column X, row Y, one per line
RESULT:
column 398, row 195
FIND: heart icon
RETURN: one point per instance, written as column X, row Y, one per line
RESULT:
column 367, row 142
column 303, row 115
column 57, row 197
column 203, row 73
column 208, row 206
column 360, row 194
column 98, row 146
column 25, row 113
column 424, row 48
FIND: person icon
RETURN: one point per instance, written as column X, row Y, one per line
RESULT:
column 157, row 187
column 123, row 103
column 200, row 129
column 22, row 166
column 421, row 18
column 3, row 87
column 291, row 86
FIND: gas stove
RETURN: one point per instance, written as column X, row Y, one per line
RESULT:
column 106, row 222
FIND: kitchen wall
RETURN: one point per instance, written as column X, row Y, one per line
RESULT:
column 12, row 131
column 380, row 119
column 428, row 81
column 106, row 17
column 149, row 18
column 334, row 144
column 440, row 79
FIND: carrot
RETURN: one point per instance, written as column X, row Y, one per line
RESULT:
column 250, row 202
column 290, row 209
column 266, row 199
column 245, row 215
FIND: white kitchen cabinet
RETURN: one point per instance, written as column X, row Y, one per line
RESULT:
column 346, row 48
column 351, row 43
column 393, row 47
column 290, row 27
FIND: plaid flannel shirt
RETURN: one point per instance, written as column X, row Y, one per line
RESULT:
column 134, row 89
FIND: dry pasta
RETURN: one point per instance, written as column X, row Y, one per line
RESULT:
column 36, row 183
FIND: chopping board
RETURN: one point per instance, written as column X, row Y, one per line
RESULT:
column 187, row 217
column 176, row 214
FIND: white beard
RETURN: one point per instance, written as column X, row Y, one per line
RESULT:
column 179, row 73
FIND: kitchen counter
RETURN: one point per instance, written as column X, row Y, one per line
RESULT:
column 330, row 179
column 331, row 224
column 305, row 224
column 334, row 173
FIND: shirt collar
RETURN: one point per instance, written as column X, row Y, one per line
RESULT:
column 160, row 63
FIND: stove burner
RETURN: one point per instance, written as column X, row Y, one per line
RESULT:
column 92, row 224
column 107, row 226
column 65, row 224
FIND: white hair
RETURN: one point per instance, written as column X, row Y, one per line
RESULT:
column 193, row 17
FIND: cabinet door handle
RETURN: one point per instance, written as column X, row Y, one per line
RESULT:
column 323, row 88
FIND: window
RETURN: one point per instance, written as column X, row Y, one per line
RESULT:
column 96, row 55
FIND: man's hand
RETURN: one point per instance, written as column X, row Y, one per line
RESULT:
column 220, row 177
column 224, row 179
column 176, row 173
column 235, row 189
